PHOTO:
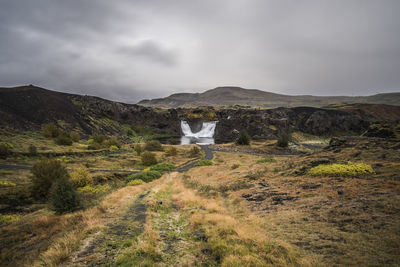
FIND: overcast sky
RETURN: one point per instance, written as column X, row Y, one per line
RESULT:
column 129, row 50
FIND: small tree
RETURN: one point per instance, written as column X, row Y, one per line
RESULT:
column 63, row 139
column 32, row 149
column 154, row 145
column 283, row 140
column 81, row 177
column 138, row 149
column 63, row 197
column 244, row 139
column 148, row 158
column 50, row 130
column 75, row 136
column 5, row 149
column 45, row 173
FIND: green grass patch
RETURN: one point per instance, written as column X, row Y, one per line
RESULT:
column 204, row 162
column 136, row 182
column 349, row 170
column 265, row 160
column 146, row 177
column 94, row 189
column 163, row 167
column 4, row 219
column 7, row 184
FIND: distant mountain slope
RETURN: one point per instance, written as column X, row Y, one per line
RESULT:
column 230, row 96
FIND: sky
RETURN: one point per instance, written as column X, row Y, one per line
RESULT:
column 128, row 50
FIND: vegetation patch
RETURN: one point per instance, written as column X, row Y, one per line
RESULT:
column 265, row 160
column 204, row 162
column 350, row 170
column 145, row 176
column 8, row 218
column 7, row 184
column 244, row 139
column 163, row 167
column 136, row 182
column 94, row 189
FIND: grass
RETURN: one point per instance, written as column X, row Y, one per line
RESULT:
column 94, row 189
column 146, row 176
column 204, row 162
column 135, row 182
column 265, row 160
column 348, row 170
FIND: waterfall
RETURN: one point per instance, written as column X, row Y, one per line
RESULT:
column 207, row 130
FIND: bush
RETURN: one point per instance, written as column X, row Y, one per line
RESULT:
column 98, row 138
column 163, row 167
column 75, row 136
column 154, row 145
column 81, row 177
column 32, row 150
column 138, row 149
column 350, row 170
column 283, row 140
column 148, row 158
column 7, row 184
column 63, row 197
column 114, row 142
column 171, row 151
column 264, row 160
column 144, row 176
column 50, row 130
column 45, row 173
column 113, row 148
column 235, row 166
column 136, row 182
column 204, row 162
column 194, row 152
column 5, row 149
column 129, row 132
column 244, row 139
column 90, row 189
column 63, row 139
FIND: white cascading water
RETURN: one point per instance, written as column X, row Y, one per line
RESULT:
column 204, row 136
column 207, row 129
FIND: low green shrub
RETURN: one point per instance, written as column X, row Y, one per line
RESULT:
column 45, row 173
column 98, row 138
column 144, row 176
column 113, row 148
column 264, row 160
column 4, row 219
column 50, row 130
column 114, row 142
column 244, row 139
column 148, row 158
column 63, row 197
column 75, row 136
column 163, row 167
column 136, row 182
column 138, row 148
column 154, row 145
column 349, row 170
column 81, row 177
column 63, row 139
column 204, row 162
column 94, row 189
column 32, row 150
column 5, row 149
column 7, row 184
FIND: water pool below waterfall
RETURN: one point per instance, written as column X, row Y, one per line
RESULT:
column 203, row 137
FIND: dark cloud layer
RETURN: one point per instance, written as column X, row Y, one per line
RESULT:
column 130, row 50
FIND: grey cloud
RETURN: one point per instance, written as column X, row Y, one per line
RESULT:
column 128, row 50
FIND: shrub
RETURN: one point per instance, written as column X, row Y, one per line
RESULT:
column 114, row 142
column 145, row 176
column 45, row 173
column 171, row 151
column 7, row 184
column 75, row 136
column 235, row 166
column 148, row 158
column 63, row 197
column 244, row 139
column 50, row 130
column 194, row 152
column 350, row 170
column 5, row 149
column 129, row 132
column 264, row 160
column 113, row 148
column 81, row 177
column 136, row 182
column 154, row 145
column 283, row 140
column 98, row 138
column 4, row 219
column 63, row 139
column 94, row 189
column 32, row 149
column 138, row 149
column 163, row 167
column 204, row 162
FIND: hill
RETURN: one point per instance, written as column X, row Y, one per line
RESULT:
column 230, row 96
